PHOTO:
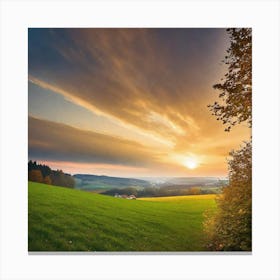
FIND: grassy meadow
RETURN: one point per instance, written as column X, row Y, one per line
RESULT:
column 62, row 219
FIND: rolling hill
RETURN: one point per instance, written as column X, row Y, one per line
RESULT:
column 100, row 182
column 62, row 219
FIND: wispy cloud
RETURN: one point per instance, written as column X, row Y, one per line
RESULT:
column 53, row 141
column 152, row 82
column 130, row 75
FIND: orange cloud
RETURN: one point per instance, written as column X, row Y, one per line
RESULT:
column 153, row 82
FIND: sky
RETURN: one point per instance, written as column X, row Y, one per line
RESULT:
column 128, row 102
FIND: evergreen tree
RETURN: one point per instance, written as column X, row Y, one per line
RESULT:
column 44, row 174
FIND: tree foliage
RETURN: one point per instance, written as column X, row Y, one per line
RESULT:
column 47, row 180
column 44, row 174
column 35, row 176
column 236, row 87
column 230, row 228
column 162, row 191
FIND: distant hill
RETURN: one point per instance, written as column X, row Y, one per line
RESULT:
column 187, row 181
column 101, row 183
column 96, row 182
column 195, row 181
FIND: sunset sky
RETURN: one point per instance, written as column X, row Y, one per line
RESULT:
column 128, row 102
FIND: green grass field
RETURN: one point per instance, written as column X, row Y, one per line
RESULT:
column 61, row 219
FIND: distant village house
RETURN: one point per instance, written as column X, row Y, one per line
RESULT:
column 125, row 196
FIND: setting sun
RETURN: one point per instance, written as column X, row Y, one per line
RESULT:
column 147, row 122
column 190, row 163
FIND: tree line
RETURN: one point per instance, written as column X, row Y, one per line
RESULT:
column 159, row 192
column 44, row 174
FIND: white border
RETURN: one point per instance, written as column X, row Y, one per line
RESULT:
column 17, row 16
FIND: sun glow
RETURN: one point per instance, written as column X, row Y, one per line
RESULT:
column 190, row 163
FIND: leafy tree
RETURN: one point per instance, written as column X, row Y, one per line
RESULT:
column 47, row 180
column 230, row 228
column 127, row 191
column 236, row 87
column 49, row 176
column 35, row 176
column 194, row 191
